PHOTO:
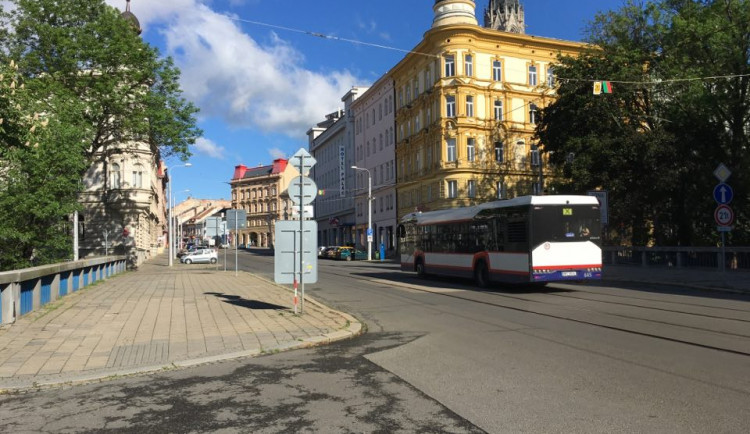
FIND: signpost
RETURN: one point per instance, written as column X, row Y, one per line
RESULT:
column 302, row 191
column 723, row 215
column 236, row 218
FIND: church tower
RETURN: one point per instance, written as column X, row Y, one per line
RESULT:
column 505, row 15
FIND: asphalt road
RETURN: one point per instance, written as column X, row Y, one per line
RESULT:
column 440, row 356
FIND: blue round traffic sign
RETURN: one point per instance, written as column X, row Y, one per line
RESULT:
column 723, row 194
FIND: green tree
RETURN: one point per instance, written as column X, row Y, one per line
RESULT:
column 86, row 47
column 98, row 85
column 38, row 177
column 653, row 143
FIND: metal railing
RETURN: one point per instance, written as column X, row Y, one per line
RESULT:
column 26, row 290
column 729, row 258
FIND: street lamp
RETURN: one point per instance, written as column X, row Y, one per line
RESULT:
column 369, row 211
column 171, row 214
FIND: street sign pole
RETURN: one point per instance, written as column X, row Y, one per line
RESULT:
column 723, row 215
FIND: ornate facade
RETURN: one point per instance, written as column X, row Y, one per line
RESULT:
column 260, row 192
column 123, row 197
column 467, row 101
column 124, row 203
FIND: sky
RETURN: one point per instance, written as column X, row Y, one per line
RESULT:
column 261, row 80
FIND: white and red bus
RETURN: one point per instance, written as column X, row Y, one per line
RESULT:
column 529, row 239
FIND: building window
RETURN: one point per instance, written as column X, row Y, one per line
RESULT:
column 470, row 106
column 114, row 176
column 408, row 94
column 498, row 110
column 138, row 176
column 468, row 65
column 500, row 190
column 451, row 148
column 416, row 87
column 532, row 75
column 535, row 157
column 497, row 70
column 450, row 66
column 452, row 189
column 536, row 188
column 471, row 188
column 450, row 106
column 499, row 151
column 470, row 149
column 550, row 76
column 533, row 115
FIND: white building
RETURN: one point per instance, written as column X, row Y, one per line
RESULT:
column 331, row 143
column 375, row 144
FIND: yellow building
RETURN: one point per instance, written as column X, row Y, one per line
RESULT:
column 467, row 100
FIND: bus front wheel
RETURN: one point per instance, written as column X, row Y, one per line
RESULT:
column 481, row 275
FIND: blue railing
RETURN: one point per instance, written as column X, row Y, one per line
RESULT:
column 23, row 291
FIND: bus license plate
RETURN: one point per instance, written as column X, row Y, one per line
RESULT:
column 569, row 273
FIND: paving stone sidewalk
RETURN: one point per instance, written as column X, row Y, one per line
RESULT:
column 160, row 317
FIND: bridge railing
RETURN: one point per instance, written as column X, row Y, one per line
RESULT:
column 729, row 258
column 23, row 291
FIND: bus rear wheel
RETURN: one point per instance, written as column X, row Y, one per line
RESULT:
column 420, row 269
column 481, row 275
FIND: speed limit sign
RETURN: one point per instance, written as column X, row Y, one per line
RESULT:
column 724, row 215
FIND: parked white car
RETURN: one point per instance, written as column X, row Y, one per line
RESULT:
column 201, row 256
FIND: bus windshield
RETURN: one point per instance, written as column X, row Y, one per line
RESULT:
column 560, row 223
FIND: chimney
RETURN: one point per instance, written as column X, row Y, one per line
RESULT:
column 239, row 171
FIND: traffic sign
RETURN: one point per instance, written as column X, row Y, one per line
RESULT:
column 723, row 194
column 724, row 215
column 302, row 161
column 289, row 242
column 304, row 185
column 722, row 172
column 236, row 219
column 369, row 232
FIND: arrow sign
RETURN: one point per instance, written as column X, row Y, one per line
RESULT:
column 723, row 194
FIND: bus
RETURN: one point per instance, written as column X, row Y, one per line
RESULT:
column 529, row 239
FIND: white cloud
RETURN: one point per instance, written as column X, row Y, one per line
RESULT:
column 277, row 153
column 210, row 148
column 229, row 75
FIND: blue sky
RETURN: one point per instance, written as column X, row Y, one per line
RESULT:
column 261, row 82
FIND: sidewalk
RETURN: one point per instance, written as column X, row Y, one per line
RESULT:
column 159, row 318
column 701, row 279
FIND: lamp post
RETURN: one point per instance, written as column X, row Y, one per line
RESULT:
column 369, row 211
column 171, row 215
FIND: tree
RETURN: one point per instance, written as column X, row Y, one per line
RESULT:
column 98, row 85
column 38, row 177
column 87, row 48
column 653, row 143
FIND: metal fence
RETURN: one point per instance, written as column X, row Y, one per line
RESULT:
column 729, row 258
column 23, row 291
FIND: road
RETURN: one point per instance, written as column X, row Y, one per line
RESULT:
column 440, row 356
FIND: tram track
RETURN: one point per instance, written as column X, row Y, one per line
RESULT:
column 702, row 337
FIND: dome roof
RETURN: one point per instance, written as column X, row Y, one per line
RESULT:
column 129, row 17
